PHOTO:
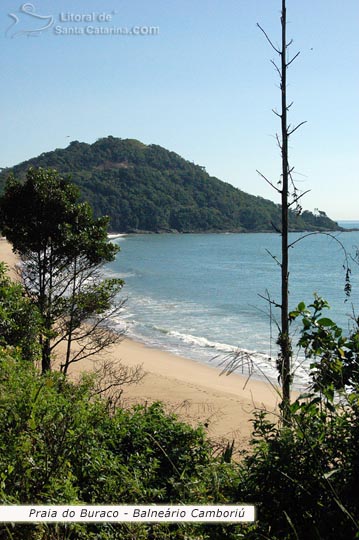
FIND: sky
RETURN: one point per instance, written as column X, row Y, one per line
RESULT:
column 194, row 77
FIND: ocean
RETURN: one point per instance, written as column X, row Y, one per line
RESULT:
column 200, row 295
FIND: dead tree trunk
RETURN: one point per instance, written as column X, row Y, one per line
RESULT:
column 284, row 341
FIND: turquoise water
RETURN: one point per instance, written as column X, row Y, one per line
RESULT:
column 198, row 295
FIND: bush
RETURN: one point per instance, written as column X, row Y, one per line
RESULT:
column 304, row 476
column 19, row 318
column 59, row 445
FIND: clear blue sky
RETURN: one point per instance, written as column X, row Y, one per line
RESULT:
column 203, row 87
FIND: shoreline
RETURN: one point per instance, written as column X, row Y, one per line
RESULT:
column 196, row 392
column 136, row 232
column 8, row 257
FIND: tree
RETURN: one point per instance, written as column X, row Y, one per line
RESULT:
column 310, row 466
column 62, row 247
column 59, row 445
column 149, row 188
column 19, row 319
column 284, row 341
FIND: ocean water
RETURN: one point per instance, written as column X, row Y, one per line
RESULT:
column 200, row 295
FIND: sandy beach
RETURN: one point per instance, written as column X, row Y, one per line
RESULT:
column 194, row 391
column 8, row 256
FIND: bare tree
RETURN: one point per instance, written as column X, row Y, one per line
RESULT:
column 288, row 199
column 110, row 377
column 86, row 308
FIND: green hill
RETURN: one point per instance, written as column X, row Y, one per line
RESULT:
column 148, row 188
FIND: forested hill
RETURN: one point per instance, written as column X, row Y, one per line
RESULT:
column 148, row 188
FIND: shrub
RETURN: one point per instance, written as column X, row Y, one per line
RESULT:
column 59, row 445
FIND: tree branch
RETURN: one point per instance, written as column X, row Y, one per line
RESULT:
column 273, row 257
column 269, row 182
column 296, row 127
column 277, row 68
column 292, row 60
column 276, row 228
column 268, row 39
column 272, row 302
column 296, row 199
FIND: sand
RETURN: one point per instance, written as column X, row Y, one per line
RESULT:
column 8, row 256
column 195, row 391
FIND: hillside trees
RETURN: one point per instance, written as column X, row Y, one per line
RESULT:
column 62, row 247
column 146, row 187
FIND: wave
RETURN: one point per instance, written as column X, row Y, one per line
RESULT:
column 202, row 342
column 260, row 364
column 216, row 346
column 202, row 349
column 197, row 347
column 114, row 236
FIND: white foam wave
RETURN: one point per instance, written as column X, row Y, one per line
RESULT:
column 202, row 342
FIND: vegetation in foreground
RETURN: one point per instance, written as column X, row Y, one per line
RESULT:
column 61, row 443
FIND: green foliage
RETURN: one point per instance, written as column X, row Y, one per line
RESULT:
column 335, row 356
column 59, row 445
column 149, row 188
column 62, row 246
column 45, row 212
column 303, row 476
column 19, row 319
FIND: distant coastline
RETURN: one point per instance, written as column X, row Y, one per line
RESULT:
column 229, row 231
column 147, row 188
column 349, row 225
